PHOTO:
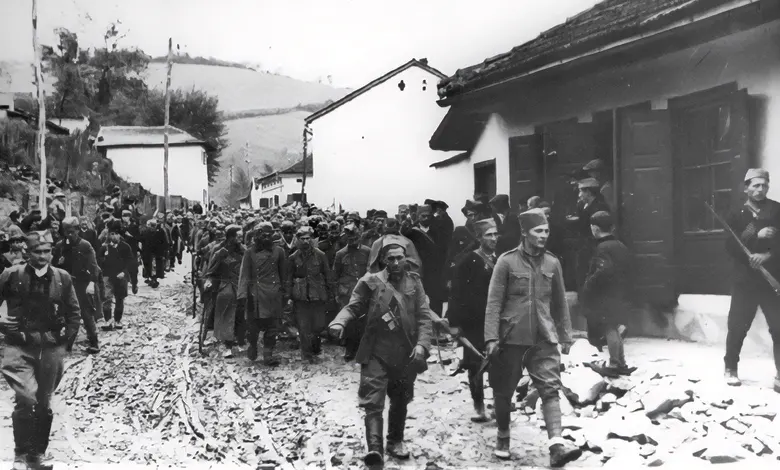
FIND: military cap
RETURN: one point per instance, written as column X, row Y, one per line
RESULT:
column 602, row 220
column 500, row 201
column 424, row 209
column 334, row 225
column 482, row 226
column 756, row 173
column 403, row 208
column 380, row 214
column 532, row 218
column 305, row 230
column 288, row 226
column 370, row 213
column 596, row 164
column 114, row 226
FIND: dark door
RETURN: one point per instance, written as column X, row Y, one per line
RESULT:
column 710, row 144
column 647, row 203
column 525, row 168
column 485, row 178
column 568, row 146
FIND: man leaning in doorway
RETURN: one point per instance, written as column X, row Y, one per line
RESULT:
column 756, row 224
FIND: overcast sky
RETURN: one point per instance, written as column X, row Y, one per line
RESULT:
column 354, row 41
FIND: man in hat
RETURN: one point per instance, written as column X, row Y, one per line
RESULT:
column 526, row 321
column 288, row 242
column 589, row 202
column 352, row 218
column 597, row 169
column 33, row 216
column 42, row 320
column 177, row 241
column 350, row 265
column 606, row 295
column 376, row 229
column 393, row 349
column 57, row 206
column 466, row 307
column 76, row 256
column 261, row 285
column 17, row 248
column 506, row 221
column 331, row 243
column 155, row 244
column 310, row 284
column 756, row 223
column 116, row 259
column 425, row 238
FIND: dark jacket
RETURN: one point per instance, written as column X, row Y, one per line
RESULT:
column 432, row 259
column 468, row 296
column 747, row 225
column 116, row 260
column 350, row 265
column 155, row 242
column 78, row 260
column 91, row 236
column 606, row 294
column 330, row 248
column 509, row 232
column 62, row 318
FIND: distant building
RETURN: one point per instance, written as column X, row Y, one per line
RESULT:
column 280, row 187
column 137, row 155
column 371, row 146
column 8, row 111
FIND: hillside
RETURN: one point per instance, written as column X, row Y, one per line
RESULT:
column 241, row 89
column 272, row 139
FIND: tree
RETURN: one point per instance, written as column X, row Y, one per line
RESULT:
column 195, row 112
column 239, row 188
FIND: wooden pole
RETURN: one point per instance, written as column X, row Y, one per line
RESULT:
column 305, row 150
column 166, row 196
column 41, row 137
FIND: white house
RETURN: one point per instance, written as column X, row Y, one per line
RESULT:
column 372, row 149
column 280, row 187
column 137, row 155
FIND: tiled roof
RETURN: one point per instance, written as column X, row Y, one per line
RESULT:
column 608, row 22
column 422, row 63
column 141, row 136
column 452, row 160
column 295, row 169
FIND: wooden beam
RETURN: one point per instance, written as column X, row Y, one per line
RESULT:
column 167, row 125
column 41, row 137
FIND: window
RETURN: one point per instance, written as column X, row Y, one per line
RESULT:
column 203, row 157
column 706, row 165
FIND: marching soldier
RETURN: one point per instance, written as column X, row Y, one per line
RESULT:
column 77, row 258
column 393, row 349
column 261, row 285
column 526, row 319
column 117, row 261
column 756, row 223
column 468, row 299
column 351, row 264
column 43, row 319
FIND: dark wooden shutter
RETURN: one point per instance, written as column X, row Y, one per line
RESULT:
column 647, row 201
column 525, row 168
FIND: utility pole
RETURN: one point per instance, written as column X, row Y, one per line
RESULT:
column 231, row 202
column 41, row 137
column 167, row 125
column 306, row 134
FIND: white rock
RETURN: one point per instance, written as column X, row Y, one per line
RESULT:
column 583, row 384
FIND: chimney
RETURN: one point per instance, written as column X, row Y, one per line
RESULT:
column 424, row 61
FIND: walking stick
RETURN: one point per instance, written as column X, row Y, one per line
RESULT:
column 194, row 287
column 769, row 278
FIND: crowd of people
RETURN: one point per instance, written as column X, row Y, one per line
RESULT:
column 376, row 284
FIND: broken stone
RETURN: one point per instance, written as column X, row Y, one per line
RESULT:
column 663, row 400
column 624, row 461
column 577, row 437
column 736, row 426
column 646, row 450
column 758, row 446
column 582, row 385
column 762, row 411
column 722, row 451
column 633, row 427
column 609, row 398
column 620, row 386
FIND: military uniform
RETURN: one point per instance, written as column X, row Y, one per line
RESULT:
column 398, row 319
column 528, row 315
column 43, row 318
column 349, row 266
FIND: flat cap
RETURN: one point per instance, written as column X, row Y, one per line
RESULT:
column 588, row 183
column 756, row 173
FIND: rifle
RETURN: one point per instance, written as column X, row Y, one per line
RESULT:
column 486, row 361
column 769, row 278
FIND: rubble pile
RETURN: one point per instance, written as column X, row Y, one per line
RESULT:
column 655, row 418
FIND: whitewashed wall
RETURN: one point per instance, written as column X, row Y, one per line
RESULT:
column 187, row 174
column 288, row 185
column 373, row 153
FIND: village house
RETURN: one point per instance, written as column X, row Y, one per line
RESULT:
column 137, row 156
column 676, row 96
column 374, row 141
column 280, row 187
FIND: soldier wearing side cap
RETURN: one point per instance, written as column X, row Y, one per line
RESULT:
column 756, row 223
column 526, row 320
column 589, row 202
column 43, row 319
column 598, row 170
column 393, row 349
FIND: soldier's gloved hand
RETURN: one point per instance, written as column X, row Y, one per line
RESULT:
column 418, row 355
column 491, row 348
column 336, row 331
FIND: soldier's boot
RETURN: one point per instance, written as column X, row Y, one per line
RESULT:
column 24, row 436
column 43, row 420
column 395, row 430
column 561, row 450
column 502, row 446
column 375, row 458
column 251, row 351
column 268, row 357
column 480, row 415
column 732, row 377
column 94, row 346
